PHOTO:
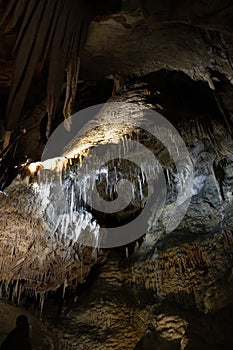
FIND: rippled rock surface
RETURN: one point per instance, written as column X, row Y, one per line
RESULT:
column 136, row 296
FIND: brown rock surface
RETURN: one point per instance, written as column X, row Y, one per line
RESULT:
column 167, row 290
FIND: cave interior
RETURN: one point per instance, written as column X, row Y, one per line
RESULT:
column 157, row 79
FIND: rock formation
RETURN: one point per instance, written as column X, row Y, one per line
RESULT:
column 163, row 289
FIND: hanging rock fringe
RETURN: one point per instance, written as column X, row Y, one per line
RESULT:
column 50, row 31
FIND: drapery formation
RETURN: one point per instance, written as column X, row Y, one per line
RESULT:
column 51, row 32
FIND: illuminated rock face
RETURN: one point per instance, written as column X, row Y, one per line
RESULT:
column 124, row 306
column 32, row 257
column 167, row 290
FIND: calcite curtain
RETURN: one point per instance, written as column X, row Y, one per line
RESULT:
column 51, row 33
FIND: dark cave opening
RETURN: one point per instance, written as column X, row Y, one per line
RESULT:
column 180, row 97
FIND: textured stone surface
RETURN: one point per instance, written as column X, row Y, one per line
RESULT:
column 167, row 291
column 138, row 304
column 125, row 306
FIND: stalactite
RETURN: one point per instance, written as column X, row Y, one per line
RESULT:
column 48, row 29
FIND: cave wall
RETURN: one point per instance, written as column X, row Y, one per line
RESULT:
column 169, row 291
column 151, row 293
